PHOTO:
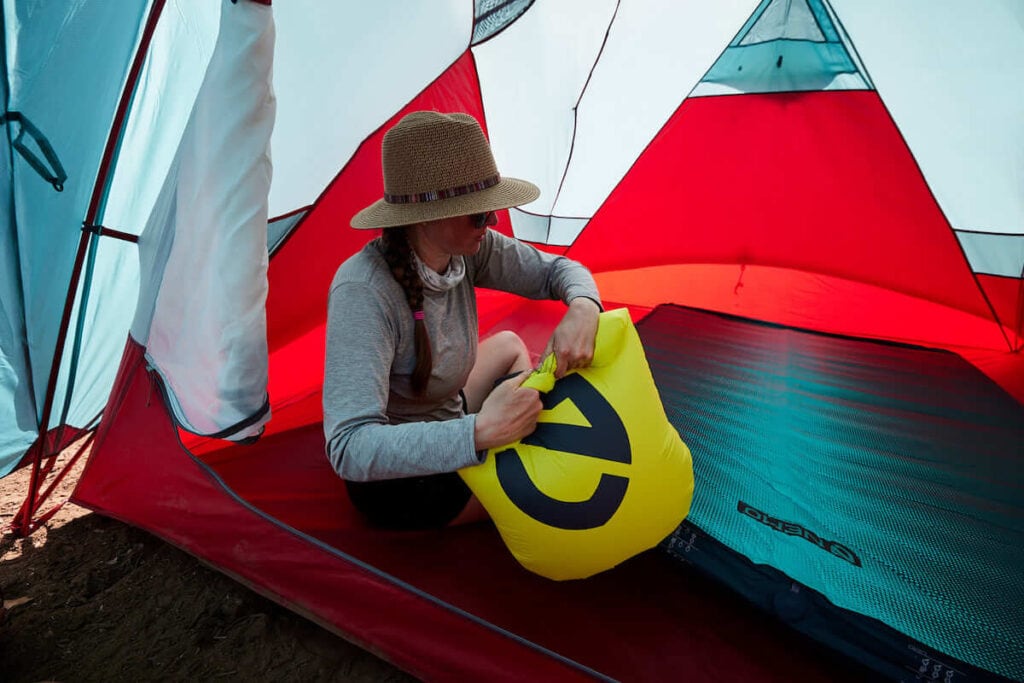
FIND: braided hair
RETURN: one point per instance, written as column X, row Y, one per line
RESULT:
column 398, row 255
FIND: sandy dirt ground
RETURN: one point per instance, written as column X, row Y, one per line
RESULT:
column 88, row 599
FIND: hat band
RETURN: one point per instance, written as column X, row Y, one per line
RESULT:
column 448, row 193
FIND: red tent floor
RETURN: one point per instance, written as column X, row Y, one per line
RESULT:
column 445, row 605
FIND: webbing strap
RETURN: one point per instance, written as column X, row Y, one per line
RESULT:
column 58, row 175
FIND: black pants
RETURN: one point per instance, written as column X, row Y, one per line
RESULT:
column 412, row 503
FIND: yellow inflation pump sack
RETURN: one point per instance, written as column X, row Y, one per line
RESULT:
column 603, row 477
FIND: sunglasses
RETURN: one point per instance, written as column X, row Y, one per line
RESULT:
column 480, row 220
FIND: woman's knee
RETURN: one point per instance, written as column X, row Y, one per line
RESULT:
column 499, row 355
column 510, row 346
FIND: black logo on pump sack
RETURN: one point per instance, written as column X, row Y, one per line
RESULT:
column 606, row 439
column 794, row 529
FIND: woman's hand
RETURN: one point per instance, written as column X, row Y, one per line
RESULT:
column 508, row 414
column 573, row 340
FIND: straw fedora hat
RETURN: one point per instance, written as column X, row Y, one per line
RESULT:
column 438, row 166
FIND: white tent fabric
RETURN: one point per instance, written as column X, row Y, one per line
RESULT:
column 948, row 73
column 204, row 324
column 337, row 79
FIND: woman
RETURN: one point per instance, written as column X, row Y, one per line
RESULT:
column 409, row 394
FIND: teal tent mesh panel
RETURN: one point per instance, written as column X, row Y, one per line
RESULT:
column 786, row 45
column 888, row 478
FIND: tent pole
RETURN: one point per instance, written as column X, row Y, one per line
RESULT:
column 42, row 519
column 22, row 526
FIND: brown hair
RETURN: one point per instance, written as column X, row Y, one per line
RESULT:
column 399, row 257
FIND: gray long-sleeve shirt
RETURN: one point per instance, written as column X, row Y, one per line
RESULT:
column 374, row 424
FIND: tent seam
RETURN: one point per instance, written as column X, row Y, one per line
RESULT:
column 952, row 230
column 209, row 471
column 655, row 135
column 388, row 577
column 576, row 110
